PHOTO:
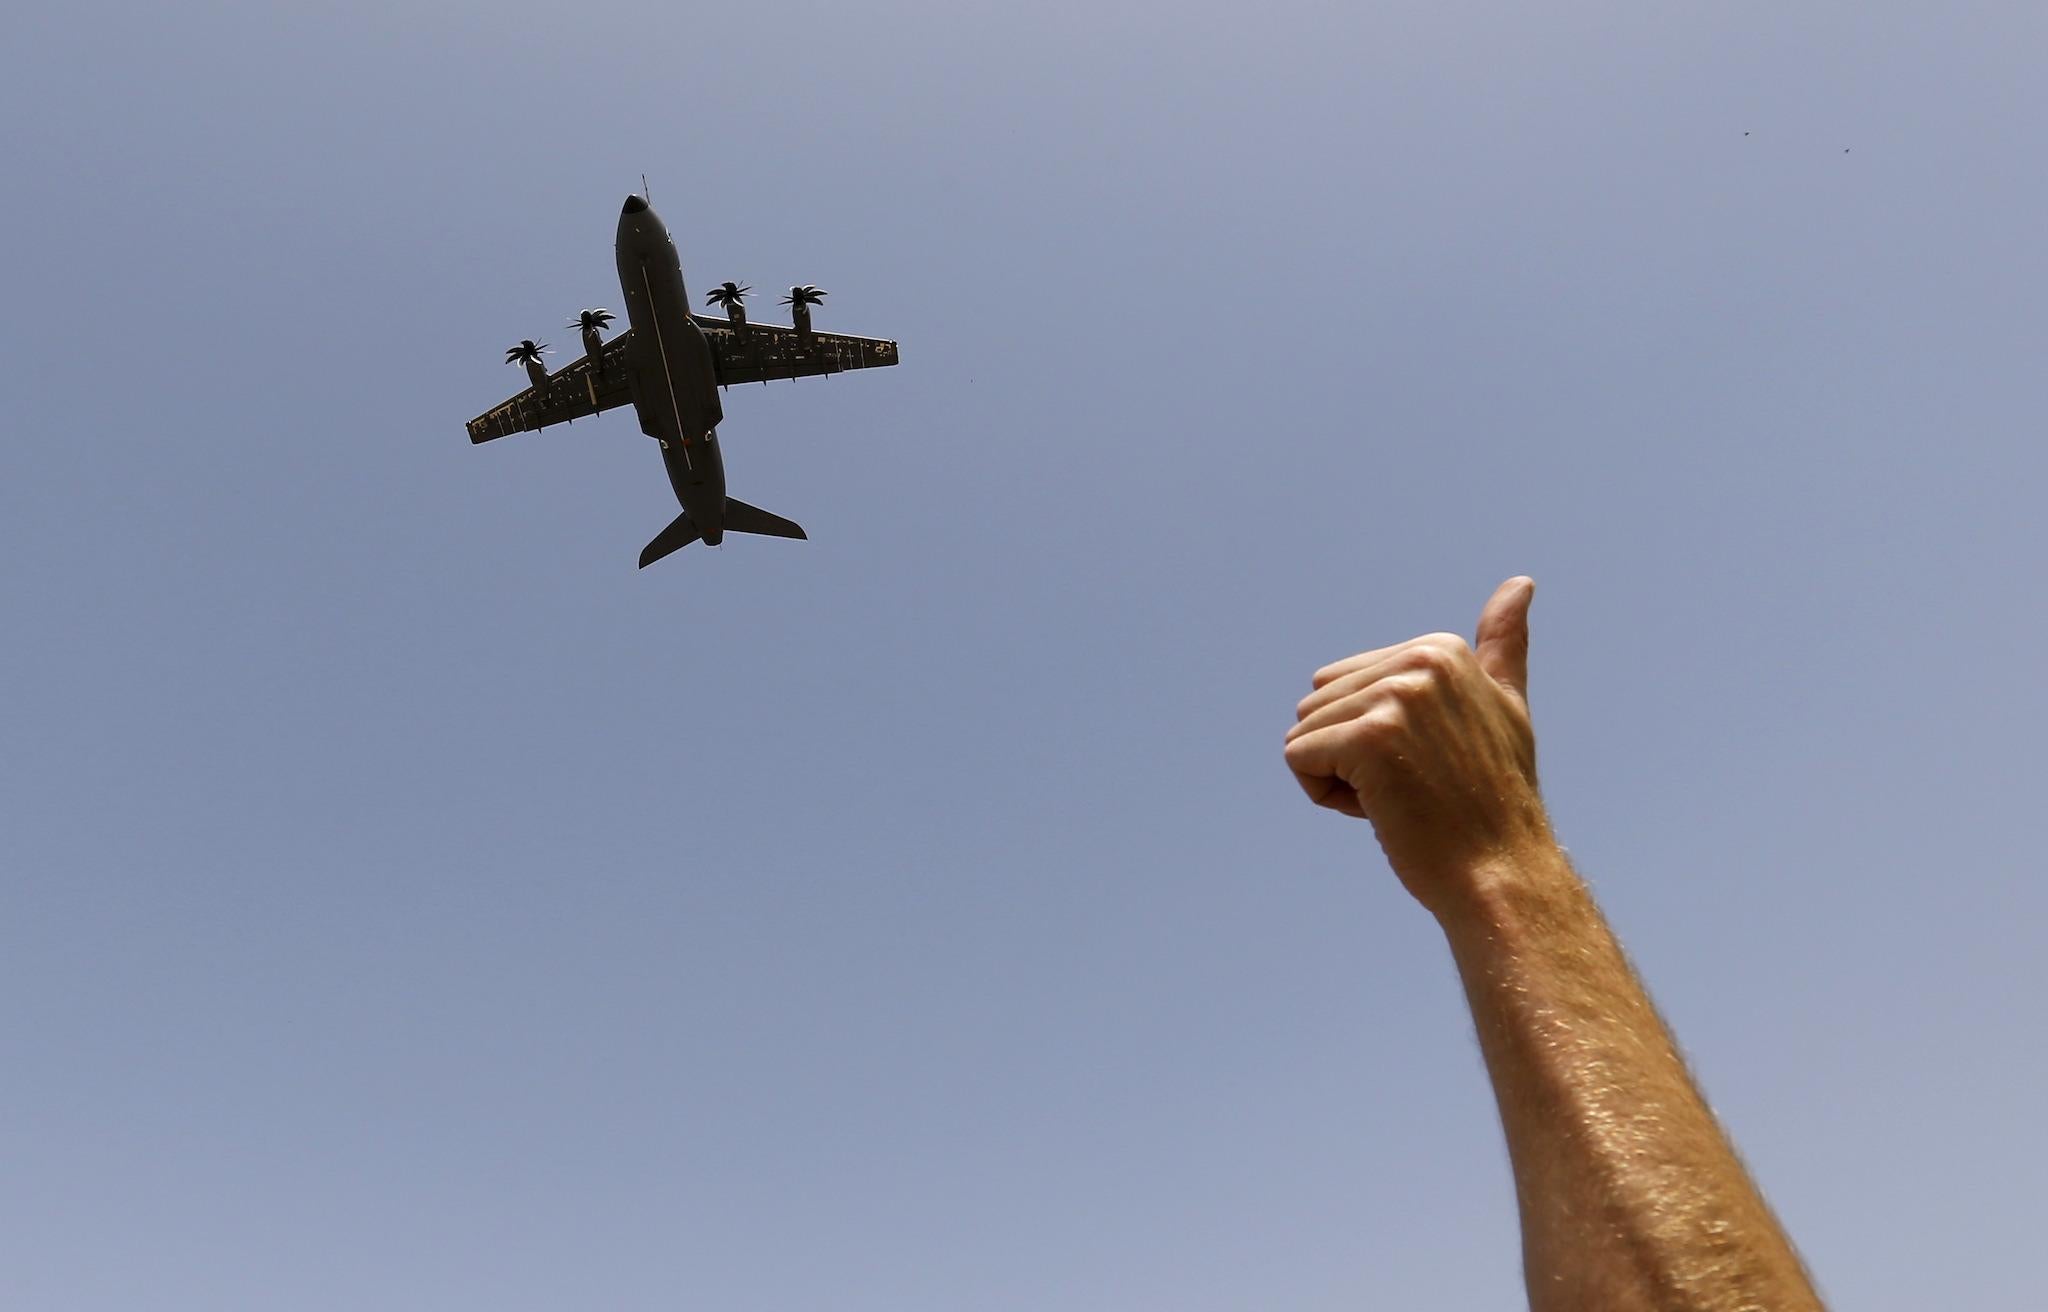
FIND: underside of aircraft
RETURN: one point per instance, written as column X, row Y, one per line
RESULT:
column 671, row 365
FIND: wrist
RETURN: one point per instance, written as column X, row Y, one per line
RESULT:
column 1531, row 878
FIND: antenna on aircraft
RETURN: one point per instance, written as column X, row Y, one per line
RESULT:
column 644, row 195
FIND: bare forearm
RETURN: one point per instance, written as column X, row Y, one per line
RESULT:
column 1631, row 1195
column 1632, row 1198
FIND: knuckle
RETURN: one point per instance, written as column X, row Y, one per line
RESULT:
column 1438, row 656
column 1429, row 659
column 1381, row 724
column 1407, row 689
column 1432, row 659
column 1451, row 645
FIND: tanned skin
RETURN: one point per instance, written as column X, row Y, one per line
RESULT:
column 1632, row 1198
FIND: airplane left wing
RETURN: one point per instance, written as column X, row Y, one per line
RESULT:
column 572, row 392
column 769, row 351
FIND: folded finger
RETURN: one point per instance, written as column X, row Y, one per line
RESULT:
column 1361, row 703
column 1338, row 669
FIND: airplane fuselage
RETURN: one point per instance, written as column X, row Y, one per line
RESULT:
column 674, row 383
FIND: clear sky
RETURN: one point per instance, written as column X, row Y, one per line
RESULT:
column 410, row 905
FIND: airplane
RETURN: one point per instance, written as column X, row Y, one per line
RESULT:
column 670, row 365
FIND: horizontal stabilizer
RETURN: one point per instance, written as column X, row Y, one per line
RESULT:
column 743, row 518
column 680, row 533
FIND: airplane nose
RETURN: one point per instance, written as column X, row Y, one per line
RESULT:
column 634, row 205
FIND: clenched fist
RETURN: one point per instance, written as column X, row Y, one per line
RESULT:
column 1431, row 741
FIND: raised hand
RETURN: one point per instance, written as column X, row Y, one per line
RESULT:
column 1431, row 741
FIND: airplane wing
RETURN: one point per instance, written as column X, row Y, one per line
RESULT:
column 573, row 391
column 767, row 351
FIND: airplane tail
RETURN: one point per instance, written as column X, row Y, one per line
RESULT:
column 739, row 518
column 680, row 533
column 743, row 518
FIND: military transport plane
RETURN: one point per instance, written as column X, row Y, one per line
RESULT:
column 670, row 365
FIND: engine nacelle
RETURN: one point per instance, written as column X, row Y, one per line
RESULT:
column 528, row 353
column 733, row 296
column 800, row 300
column 592, row 323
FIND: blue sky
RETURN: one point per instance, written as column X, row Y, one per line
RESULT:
column 410, row 904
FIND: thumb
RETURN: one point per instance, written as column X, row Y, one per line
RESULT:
column 1502, row 642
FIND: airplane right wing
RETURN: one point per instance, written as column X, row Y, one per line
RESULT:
column 573, row 391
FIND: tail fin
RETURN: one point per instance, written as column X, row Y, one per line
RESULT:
column 680, row 533
column 743, row 518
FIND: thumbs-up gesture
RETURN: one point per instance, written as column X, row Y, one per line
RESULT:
column 1431, row 741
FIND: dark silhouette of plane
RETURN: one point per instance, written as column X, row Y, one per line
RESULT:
column 669, row 365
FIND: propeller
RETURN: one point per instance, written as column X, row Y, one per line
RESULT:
column 805, row 295
column 591, row 321
column 727, row 294
column 527, row 352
